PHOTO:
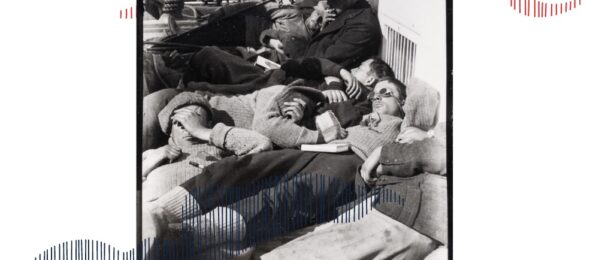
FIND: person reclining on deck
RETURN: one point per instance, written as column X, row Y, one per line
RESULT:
column 346, row 32
column 378, row 128
column 353, row 37
column 391, row 229
column 241, row 110
column 184, row 156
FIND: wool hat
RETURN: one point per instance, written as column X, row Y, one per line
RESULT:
column 182, row 100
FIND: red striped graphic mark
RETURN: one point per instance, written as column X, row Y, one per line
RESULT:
column 529, row 8
column 128, row 13
column 543, row 9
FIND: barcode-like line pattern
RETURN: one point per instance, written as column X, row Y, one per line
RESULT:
column 279, row 205
column 541, row 9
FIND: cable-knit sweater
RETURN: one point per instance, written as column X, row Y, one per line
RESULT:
column 259, row 111
column 375, row 130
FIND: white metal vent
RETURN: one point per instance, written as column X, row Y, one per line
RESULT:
column 400, row 53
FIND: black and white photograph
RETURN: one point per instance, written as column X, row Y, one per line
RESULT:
column 294, row 129
column 300, row 129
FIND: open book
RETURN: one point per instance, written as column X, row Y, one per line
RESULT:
column 325, row 148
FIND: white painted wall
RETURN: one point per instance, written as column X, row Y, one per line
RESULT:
column 424, row 22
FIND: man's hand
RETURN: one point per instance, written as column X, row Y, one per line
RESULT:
column 328, row 16
column 277, row 45
column 152, row 159
column 294, row 110
column 335, row 96
column 171, row 152
column 411, row 134
column 152, row 155
column 192, row 123
column 353, row 88
column 326, row 13
column 371, row 169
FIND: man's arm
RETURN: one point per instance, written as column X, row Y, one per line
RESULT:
column 280, row 130
column 239, row 140
column 153, row 158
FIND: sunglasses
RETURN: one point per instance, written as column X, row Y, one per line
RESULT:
column 383, row 93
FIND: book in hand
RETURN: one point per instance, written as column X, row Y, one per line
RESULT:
column 266, row 63
column 325, row 148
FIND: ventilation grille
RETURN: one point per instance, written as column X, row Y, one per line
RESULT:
column 400, row 53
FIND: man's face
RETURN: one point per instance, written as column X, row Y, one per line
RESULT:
column 385, row 99
column 363, row 73
column 180, row 136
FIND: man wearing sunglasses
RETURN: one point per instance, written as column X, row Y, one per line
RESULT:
column 209, row 189
column 343, row 105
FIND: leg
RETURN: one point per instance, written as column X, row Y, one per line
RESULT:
column 301, row 200
column 164, row 178
column 212, row 187
column 160, row 73
column 216, row 66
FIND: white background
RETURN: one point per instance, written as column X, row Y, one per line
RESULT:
column 67, row 137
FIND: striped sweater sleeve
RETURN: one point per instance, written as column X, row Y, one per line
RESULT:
column 281, row 131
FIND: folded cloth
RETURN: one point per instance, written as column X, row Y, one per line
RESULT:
column 329, row 127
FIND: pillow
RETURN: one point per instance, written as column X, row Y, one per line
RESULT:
column 421, row 106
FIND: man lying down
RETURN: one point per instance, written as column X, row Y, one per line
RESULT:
column 278, row 119
column 213, row 212
column 185, row 155
column 216, row 70
column 390, row 230
column 351, row 38
column 240, row 110
column 212, row 126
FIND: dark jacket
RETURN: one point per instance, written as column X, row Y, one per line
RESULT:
column 215, row 70
column 288, row 27
column 353, row 37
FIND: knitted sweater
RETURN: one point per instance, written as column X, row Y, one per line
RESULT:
column 375, row 130
column 237, row 140
column 259, row 111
